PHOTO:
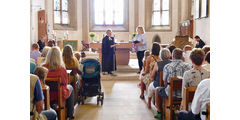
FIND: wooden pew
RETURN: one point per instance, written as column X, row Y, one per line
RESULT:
column 188, row 94
column 207, row 112
column 56, row 84
column 171, row 103
column 46, row 94
column 161, row 83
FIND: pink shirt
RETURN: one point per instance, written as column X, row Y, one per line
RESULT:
column 62, row 73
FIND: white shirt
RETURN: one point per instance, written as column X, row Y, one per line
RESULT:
column 201, row 98
column 186, row 55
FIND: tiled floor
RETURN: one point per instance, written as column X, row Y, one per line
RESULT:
column 121, row 102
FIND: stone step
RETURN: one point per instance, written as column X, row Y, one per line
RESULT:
column 121, row 76
column 126, row 68
column 95, row 55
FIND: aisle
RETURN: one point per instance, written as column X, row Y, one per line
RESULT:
column 121, row 102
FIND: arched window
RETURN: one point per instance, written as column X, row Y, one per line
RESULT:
column 160, row 13
column 61, row 12
column 108, row 12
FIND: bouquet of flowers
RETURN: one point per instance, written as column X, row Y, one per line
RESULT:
column 133, row 35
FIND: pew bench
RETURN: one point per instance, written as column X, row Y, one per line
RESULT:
column 56, row 84
column 172, row 103
column 188, row 94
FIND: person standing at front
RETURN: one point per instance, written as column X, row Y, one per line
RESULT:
column 108, row 53
column 140, row 41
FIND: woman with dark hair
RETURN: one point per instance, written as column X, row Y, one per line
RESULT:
column 71, row 63
column 154, row 57
column 171, row 48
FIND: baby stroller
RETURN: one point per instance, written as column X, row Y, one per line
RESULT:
column 91, row 84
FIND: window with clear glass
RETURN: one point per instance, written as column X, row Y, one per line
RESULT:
column 160, row 13
column 108, row 12
column 61, row 12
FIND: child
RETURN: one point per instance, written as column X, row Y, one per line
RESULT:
column 78, row 56
column 83, row 56
column 146, row 54
column 41, row 72
column 186, row 54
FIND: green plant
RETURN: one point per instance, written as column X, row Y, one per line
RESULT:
column 133, row 35
column 92, row 35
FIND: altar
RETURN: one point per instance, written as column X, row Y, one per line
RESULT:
column 122, row 52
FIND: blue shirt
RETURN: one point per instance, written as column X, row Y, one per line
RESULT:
column 32, row 67
column 35, row 54
column 38, row 93
column 143, row 39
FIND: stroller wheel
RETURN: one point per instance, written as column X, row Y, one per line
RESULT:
column 102, row 95
column 81, row 99
column 82, row 102
column 98, row 99
column 101, row 102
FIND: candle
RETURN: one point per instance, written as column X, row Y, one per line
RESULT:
column 97, row 37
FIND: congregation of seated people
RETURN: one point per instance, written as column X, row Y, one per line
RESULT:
column 49, row 62
column 191, row 65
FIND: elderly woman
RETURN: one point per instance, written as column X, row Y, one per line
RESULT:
column 140, row 41
column 45, row 51
column 155, row 76
column 154, row 57
column 55, row 65
column 41, row 59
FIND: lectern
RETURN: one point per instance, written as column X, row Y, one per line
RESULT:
column 122, row 52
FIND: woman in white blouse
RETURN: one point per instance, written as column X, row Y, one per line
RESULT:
column 140, row 43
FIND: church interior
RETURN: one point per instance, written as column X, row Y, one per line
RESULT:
column 119, row 59
column 81, row 26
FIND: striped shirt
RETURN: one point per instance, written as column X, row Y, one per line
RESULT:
column 175, row 69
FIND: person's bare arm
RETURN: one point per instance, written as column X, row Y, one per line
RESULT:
column 183, row 58
column 39, row 106
column 148, row 64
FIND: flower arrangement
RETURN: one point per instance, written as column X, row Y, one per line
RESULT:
column 133, row 35
column 92, row 35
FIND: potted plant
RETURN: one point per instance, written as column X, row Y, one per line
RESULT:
column 133, row 35
column 92, row 35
